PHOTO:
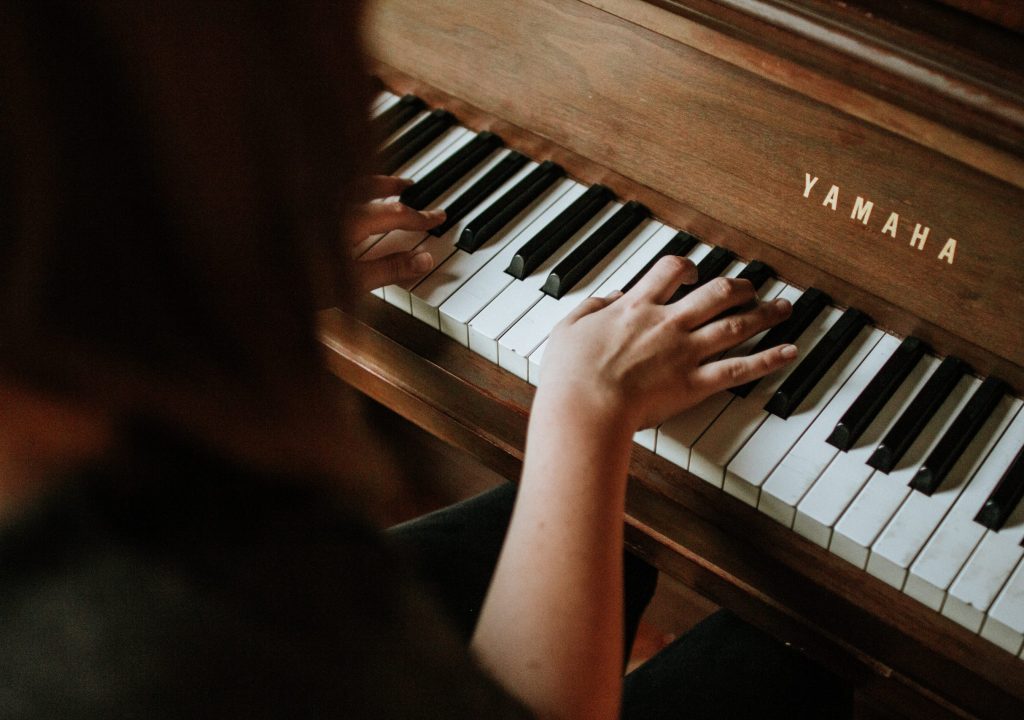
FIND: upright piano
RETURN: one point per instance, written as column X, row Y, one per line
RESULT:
column 864, row 159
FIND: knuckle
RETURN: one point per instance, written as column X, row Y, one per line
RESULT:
column 721, row 287
column 673, row 263
column 735, row 371
column 735, row 326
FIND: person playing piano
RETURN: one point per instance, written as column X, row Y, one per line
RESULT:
column 186, row 512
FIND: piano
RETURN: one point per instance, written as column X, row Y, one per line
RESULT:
column 864, row 159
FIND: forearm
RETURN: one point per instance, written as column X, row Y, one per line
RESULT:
column 551, row 626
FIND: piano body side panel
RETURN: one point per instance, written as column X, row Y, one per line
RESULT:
column 886, row 643
column 795, row 173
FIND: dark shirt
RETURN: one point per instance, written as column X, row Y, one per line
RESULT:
column 174, row 584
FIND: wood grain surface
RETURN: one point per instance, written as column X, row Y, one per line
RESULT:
column 734, row 146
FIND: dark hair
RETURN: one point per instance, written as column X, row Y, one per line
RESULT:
column 171, row 176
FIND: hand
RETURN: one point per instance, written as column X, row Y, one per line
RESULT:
column 383, row 213
column 641, row 361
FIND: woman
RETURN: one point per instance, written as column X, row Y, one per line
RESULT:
column 184, row 527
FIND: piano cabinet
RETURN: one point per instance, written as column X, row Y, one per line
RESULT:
column 840, row 143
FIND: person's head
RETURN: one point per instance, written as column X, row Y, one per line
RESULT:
column 171, row 176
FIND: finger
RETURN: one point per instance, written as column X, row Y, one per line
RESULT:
column 712, row 299
column 591, row 305
column 394, row 269
column 665, row 278
column 722, row 374
column 380, row 217
column 728, row 332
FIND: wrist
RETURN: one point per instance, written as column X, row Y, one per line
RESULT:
column 599, row 413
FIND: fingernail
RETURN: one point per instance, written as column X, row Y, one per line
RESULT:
column 434, row 214
column 788, row 351
column 782, row 304
column 421, row 262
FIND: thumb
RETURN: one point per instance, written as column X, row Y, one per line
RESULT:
column 394, row 269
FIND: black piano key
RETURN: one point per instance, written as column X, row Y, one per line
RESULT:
column 488, row 223
column 414, row 140
column 959, row 435
column 397, row 115
column 757, row 273
column 917, row 414
column 1006, row 496
column 491, row 181
column 553, row 235
column 600, row 242
column 711, row 266
column 805, row 309
column 439, row 180
column 816, row 363
column 680, row 244
column 876, row 393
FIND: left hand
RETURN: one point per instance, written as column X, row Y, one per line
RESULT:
column 384, row 213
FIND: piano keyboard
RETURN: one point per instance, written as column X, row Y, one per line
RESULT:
column 906, row 466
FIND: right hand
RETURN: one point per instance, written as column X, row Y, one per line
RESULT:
column 638, row 361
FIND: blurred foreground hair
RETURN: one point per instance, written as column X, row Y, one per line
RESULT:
column 171, row 176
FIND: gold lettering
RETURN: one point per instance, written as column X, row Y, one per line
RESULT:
column 808, row 184
column 861, row 210
column 832, row 198
column 891, row 223
column 920, row 235
column 948, row 251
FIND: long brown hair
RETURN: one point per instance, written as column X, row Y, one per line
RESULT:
column 171, row 175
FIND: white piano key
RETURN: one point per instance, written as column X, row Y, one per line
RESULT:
column 441, row 247
column 743, row 416
column 657, row 235
column 434, row 154
column 382, row 102
column 883, row 494
column 985, row 572
column 617, row 281
column 520, row 295
column 1005, row 622
column 451, row 273
column 807, row 459
column 491, row 279
column 767, row 447
column 948, row 549
column 527, row 332
column 678, row 434
column 532, row 329
column 409, row 124
column 838, row 486
column 919, row 516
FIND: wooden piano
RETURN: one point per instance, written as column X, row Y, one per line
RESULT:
column 872, row 150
